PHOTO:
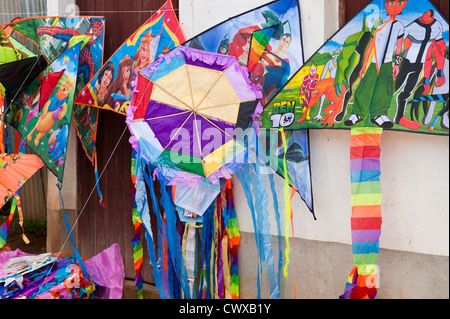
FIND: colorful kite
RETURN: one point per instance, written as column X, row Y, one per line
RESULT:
column 41, row 114
column 111, row 87
column 54, row 35
column 353, row 81
column 18, row 67
column 386, row 69
column 268, row 41
column 15, row 170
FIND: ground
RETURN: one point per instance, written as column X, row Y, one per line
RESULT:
column 37, row 240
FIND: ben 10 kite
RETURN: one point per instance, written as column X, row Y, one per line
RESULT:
column 386, row 69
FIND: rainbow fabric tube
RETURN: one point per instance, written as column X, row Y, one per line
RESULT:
column 366, row 212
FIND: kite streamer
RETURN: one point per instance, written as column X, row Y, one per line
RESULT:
column 366, row 212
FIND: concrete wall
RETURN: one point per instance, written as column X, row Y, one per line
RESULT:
column 57, row 234
column 415, row 183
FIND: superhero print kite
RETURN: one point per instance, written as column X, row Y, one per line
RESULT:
column 386, row 69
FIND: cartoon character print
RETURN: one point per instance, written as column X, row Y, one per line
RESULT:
column 53, row 110
column 308, row 84
column 86, row 61
column 57, row 144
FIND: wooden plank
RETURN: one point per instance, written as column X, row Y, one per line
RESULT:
column 99, row 227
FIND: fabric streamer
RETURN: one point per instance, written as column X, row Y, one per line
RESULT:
column 174, row 242
column 287, row 203
column 366, row 212
column 69, row 231
column 251, row 177
column 100, row 195
column 143, row 210
column 138, row 251
column 230, row 221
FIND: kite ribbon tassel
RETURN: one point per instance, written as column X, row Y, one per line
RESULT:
column 366, row 212
column 100, row 195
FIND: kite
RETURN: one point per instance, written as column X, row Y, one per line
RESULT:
column 47, row 129
column 54, row 35
column 268, row 41
column 15, row 170
column 388, row 71
column 112, row 86
column 409, row 66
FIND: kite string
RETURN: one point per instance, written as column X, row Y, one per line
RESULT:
column 90, row 11
column 82, row 210
column 94, row 187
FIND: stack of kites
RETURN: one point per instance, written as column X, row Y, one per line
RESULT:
column 44, row 276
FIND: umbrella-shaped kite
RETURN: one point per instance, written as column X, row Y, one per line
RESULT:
column 193, row 102
column 391, row 75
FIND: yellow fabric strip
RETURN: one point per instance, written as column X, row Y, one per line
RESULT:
column 366, row 199
column 287, row 203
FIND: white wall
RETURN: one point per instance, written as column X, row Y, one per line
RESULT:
column 414, row 167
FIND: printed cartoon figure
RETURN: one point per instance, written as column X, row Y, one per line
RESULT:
column 104, row 80
column 308, row 84
column 121, row 86
column 224, row 45
column 54, row 109
column 325, row 89
column 329, row 71
column 86, row 62
column 240, row 46
column 57, row 144
column 423, row 40
column 277, row 67
column 146, row 52
column 377, row 84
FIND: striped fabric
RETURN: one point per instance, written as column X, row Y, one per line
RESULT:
column 366, row 212
column 233, row 237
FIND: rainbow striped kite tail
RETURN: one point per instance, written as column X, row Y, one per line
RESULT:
column 366, row 216
column 360, row 286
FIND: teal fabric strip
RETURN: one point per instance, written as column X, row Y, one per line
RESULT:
column 174, row 240
column 69, row 231
column 144, row 213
